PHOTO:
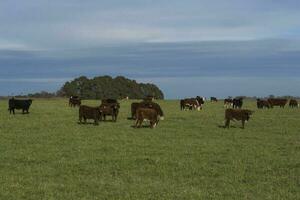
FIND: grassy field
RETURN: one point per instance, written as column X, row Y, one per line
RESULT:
column 47, row 155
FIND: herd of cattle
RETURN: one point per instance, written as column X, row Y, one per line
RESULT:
column 147, row 110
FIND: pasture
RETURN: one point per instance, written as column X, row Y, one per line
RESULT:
column 47, row 155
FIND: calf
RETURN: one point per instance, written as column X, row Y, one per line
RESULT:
column 143, row 114
column 293, row 103
column 191, row 103
column 87, row 112
column 239, row 115
column 19, row 104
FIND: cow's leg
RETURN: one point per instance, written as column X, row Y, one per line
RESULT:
column 13, row 111
column 227, row 123
column 80, row 119
column 243, row 124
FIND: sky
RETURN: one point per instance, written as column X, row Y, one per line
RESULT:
column 188, row 48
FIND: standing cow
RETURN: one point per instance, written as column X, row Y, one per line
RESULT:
column 261, row 103
column 143, row 114
column 239, row 115
column 293, row 103
column 87, row 112
column 228, row 102
column 146, row 104
column 277, row 102
column 110, row 109
column 19, row 104
column 237, row 103
column 74, row 101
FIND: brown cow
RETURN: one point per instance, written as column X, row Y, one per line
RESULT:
column 277, row 102
column 110, row 109
column 239, row 115
column 191, row 103
column 87, row 112
column 293, row 103
column 143, row 114
column 261, row 103
column 146, row 104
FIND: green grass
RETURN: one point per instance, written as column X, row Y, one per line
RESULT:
column 47, row 155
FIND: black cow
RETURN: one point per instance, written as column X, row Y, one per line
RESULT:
column 74, row 101
column 19, row 104
column 293, row 103
column 277, row 102
column 213, row 99
column 237, row 103
column 87, row 112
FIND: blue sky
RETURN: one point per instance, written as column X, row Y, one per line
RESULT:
column 188, row 48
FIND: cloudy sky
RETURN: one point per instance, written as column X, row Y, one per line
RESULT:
column 188, row 48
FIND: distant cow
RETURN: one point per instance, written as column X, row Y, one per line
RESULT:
column 191, row 103
column 277, row 102
column 74, row 101
column 87, row 112
column 145, row 104
column 293, row 103
column 262, row 104
column 200, row 100
column 19, row 104
column 237, row 103
column 109, row 101
column 239, row 115
column 149, row 98
column 110, row 109
column 213, row 99
column 143, row 114
column 228, row 103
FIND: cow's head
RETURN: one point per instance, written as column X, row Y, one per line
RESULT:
column 248, row 114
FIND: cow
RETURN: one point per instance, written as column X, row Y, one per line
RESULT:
column 228, row 102
column 74, row 101
column 149, row 98
column 191, row 103
column 293, row 103
column 261, row 103
column 143, row 114
column 19, row 104
column 237, row 103
column 110, row 109
column 277, row 102
column 146, row 104
column 87, row 112
column 200, row 100
column 213, row 99
column 109, row 101
column 239, row 115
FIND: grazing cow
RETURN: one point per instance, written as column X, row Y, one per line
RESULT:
column 237, row 103
column 191, row 103
column 19, row 104
column 110, row 109
column 87, row 112
column 293, row 103
column 262, row 104
column 239, row 115
column 74, row 101
column 277, row 102
column 213, row 99
column 146, row 104
column 228, row 103
column 143, row 114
